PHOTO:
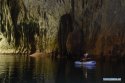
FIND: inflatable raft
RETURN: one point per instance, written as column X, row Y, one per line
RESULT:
column 85, row 63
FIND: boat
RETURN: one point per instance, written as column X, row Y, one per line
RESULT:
column 85, row 66
column 87, row 63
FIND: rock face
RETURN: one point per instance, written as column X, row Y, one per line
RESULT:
column 31, row 25
column 76, row 26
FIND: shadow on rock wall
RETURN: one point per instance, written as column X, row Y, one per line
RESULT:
column 70, row 37
column 66, row 26
column 27, row 37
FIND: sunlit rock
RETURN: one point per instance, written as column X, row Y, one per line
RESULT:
column 37, row 55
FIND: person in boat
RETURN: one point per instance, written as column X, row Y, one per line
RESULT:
column 86, row 57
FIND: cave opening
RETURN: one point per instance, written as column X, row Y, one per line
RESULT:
column 65, row 27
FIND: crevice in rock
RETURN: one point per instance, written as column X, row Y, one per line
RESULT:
column 73, row 9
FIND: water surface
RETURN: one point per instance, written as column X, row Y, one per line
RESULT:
column 25, row 69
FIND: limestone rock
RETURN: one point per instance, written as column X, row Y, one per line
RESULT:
column 32, row 25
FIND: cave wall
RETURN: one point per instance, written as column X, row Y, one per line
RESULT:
column 103, row 25
column 34, row 25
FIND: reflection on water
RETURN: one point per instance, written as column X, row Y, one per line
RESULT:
column 25, row 69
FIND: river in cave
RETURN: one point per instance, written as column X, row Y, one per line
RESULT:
column 26, row 69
